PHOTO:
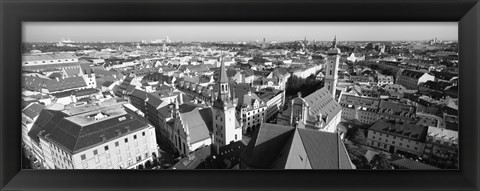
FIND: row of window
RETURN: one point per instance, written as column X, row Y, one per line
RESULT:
column 393, row 143
column 106, row 148
column 50, row 61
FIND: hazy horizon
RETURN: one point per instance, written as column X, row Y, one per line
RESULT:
column 238, row 31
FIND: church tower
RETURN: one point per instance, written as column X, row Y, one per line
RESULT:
column 225, row 129
column 331, row 72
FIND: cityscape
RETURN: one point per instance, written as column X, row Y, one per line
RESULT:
column 323, row 101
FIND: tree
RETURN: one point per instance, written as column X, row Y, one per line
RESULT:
column 359, row 137
column 380, row 161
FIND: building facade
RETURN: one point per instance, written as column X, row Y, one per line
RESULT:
column 225, row 129
column 95, row 136
column 331, row 75
column 363, row 109
column 251, row 111
column 397, row 137
column 410, row 79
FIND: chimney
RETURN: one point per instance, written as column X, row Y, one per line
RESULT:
column 103, row 138
column 127, row 128
column 299, row 94
column 119, row 132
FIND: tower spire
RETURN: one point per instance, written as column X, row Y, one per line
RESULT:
column 222, row 79
column 334, row 43
column 177, row 107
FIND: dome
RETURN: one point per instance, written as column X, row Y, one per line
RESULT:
column 334, row 50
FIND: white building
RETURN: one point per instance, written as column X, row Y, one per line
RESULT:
column 48, row 58
column 331, row 72
column 384, row 80
column 251, row 110
column 225, row 125
column 397, row 137
column 95, row 136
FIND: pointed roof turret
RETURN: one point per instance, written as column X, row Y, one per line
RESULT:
column 177, row 107
column 223, row 78
column 334, row 50
column 334, row 43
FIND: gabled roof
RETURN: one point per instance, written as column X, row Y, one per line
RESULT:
column 285, row 147
column 324, row 150
column 53, row 56
column 72, row 72
column 107, row 83
column 197, row 68
column 265, row 145
column 75, row 132
column 444, row 75
column 33, row 110
column 84, row 92
column 197, row 126
column 413, row 73
column 139, row 94
column 37, row 83
column 321, row 101
column 405, row 130
column 411, row 164
column 130, row 88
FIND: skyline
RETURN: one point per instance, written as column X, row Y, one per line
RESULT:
column 237, row 31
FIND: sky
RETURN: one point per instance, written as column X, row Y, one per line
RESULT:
column 238, row 31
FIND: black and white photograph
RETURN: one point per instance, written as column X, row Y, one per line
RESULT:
column 240, row 95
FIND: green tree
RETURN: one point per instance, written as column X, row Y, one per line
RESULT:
column 380, row 161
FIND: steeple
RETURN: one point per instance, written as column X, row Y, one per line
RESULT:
column 177, row 107
column 223, row 90
column 334, row 43
column 223, row 78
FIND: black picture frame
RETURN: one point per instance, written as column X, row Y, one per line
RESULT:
column 14, row 12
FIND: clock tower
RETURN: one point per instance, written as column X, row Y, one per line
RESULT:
column 225, row 128
column 331, row 72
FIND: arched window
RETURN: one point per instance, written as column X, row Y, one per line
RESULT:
column 330, row 72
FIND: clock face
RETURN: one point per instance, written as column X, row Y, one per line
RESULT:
column 219, row 114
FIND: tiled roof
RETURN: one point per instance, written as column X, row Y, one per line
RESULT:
column 107, row 83
column 130, row 88
column 284, row 147
column 444, row 75
column 84, row 92
column 55, row 75
column 196, row 125
column 321, row 101
column 369, row 103
column 63, row 94
column 405, row 130
column 247, row 100
column 198, row 68
column 33, row 110
column 36, row 83
column 413, row 73
column 399, row 109
column 442, row 134
column 324, row 150
column 439, row 86
column 72, row 72
column 193, row 79
column 62, row 128
column 154, row 101
column 411, row 164
column 86, row 69
column 265, row 145
column 41, row 57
